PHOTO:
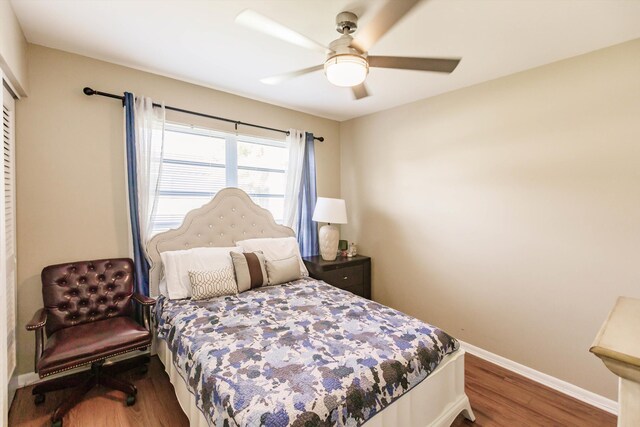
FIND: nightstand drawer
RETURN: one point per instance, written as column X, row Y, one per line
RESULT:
column 354, row 289
column 351, row 274
column 345, row 277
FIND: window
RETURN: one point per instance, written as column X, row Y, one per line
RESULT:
column 200, row 162
column 8, row 230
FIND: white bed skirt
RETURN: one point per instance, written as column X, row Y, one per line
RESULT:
column 436, row 401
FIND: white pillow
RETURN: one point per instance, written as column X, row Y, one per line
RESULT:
column 178, row 263
column 162, row 287
column 275, row 249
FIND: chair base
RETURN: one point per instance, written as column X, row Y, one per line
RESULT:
column 85, row 381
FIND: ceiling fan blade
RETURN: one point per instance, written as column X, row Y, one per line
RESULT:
column 255, row 21
column 360, row 91
column 442, row 65
column 387, row 17
column 274, row 80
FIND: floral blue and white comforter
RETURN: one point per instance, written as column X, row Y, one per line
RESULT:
column 300, row 354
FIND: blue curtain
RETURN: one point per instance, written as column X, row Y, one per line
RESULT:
column 141, row 265
column 308, row 229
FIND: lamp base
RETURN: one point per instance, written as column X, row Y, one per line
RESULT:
column 328, row 237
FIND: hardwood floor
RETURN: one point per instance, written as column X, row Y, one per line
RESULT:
column 498, row 397
column 156, row 405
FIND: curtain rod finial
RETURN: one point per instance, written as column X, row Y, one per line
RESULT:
column 321, row 138
column 88, row 91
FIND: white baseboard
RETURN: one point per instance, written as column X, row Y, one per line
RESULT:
column 32, row 378
column 564, row 387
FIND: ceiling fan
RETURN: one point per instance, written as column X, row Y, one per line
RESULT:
column 347, row 62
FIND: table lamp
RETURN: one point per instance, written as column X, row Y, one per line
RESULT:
column 331, row 211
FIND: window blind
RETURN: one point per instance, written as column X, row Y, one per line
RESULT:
column 8, row 162
column 200, row 162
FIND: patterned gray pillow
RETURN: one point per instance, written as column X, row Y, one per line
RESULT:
column 210, row 284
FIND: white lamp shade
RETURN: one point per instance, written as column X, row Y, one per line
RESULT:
column 329, row 210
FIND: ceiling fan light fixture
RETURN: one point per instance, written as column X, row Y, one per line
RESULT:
column 346, row 70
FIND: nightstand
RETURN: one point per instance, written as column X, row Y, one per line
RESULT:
column 351, row 274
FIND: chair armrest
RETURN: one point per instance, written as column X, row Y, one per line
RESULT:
column 146, row 303
column 143, row 300
column 38, row 321
column 37, row 324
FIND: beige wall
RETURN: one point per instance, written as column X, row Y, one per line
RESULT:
column 13, row 48
column 70, row 161
column 508, row 213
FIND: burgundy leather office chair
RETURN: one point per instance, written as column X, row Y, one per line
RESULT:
column 87, row 318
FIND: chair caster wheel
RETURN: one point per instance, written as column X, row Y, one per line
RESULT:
column 38, row 399
column 56, row 423
column 131, row 399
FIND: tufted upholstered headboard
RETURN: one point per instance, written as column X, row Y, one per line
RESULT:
column 229, row 217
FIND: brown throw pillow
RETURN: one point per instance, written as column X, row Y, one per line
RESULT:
column 250, row 270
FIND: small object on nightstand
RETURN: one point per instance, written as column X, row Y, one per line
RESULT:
column 352, row 274
column 343, row 247
column 353, row 250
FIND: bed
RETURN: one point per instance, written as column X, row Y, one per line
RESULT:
column 303, row 353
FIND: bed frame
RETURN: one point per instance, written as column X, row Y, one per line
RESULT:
column 232, row 216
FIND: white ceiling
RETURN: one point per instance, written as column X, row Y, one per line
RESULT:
column 198, row 41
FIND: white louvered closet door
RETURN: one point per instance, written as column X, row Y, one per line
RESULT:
column 8, row 251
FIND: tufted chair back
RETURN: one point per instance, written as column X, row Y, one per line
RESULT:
column 86, row 291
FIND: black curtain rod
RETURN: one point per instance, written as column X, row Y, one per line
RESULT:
column 88, row 91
